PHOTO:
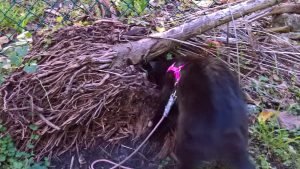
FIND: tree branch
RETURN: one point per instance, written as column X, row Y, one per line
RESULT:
column 150, row 47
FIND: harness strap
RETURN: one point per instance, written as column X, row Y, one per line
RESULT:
column 176, row 72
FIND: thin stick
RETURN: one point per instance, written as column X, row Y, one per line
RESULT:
column 48, row 122
column 72, row 162
column 45, row 92
column 237, row 45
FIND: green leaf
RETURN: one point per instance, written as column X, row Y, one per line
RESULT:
column 46, row 162
column 24, row 22
column 30, row 68
column 1, row 80
column 16, row 60
column 17, row 165
column 22, row 51
column 263, row 79
column 2, row 157
column 31, row 114
column 34, row 137
column 2, row 128
column 28, row 35
column 30, row 160
column 169, row 56
column 37, row 166
column 12, row 150
column 33, row 127
column 26, row 155
column 20, row 154
column 30, row 145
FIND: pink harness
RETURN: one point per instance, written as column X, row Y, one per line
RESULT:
column 176, row 71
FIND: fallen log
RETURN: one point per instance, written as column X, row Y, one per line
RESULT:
column 159, row 43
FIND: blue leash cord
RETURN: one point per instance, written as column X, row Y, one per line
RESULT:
column 170, row 104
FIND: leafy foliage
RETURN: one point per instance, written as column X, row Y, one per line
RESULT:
column 15, row 53
column 132, row 7
column 11, row 158
column 16, row 16
column 277, row 143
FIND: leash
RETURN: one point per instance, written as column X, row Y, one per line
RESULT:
column 171, row 101
column 167, row 109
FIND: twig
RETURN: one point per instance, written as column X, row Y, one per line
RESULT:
column 4, row 100
column 45, row 92
column 237, row 46
column 72, row 162
column 48, row 122
column 73, row 77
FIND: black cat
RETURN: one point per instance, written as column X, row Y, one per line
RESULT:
column 210, row 113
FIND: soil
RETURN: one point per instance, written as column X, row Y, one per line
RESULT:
column 144, row 159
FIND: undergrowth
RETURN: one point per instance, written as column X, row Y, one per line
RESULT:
column 277, row 147
column 132, row 8
column 14, row 54
column 15, row 16
column 12, row 158
column 271, row 145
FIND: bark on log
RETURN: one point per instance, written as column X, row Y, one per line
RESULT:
column 286, row 8
column 276, row 10
column 159, row 43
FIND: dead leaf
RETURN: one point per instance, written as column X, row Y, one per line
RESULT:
column 276, row 78
column 160, row 29
column 250, row 100
column 265, row 115
column 79, row 24
column 283, row 86
column 3, row 40
column 289, row 121
column 204, row 3
column 214, row 43
column 150, row 124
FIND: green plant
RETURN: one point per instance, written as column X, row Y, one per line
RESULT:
column 16, row 16
column 12, row 158
column 131, row 7
column 279, row 144
column 294, row 108
column 169, row 56
column 296, row 91
column 165, row 163
column 263, row 162
column 15, row 53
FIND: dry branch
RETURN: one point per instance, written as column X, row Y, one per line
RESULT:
column 276, row 10
column 286, row 8
column 149, row 48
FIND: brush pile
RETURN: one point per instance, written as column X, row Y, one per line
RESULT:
column 76, row 95
column 82, row 92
